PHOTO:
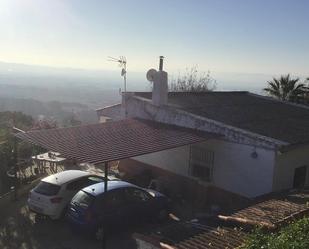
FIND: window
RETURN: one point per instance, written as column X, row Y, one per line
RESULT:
column 95, row 179
column 83, row 182
column 201, row 163
column 46, row 188
column 82, row 199
column 136, row 195
column 114, row 198
column 300, row 177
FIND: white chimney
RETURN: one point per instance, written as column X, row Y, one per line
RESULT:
column 160, row 85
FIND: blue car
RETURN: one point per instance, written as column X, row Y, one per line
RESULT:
column 94, row 210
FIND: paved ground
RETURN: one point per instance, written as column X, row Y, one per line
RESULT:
column 21, row 229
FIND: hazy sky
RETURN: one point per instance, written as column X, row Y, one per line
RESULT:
column 261, row 36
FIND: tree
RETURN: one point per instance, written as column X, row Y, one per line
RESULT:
column 285, row 88
column 193, row 81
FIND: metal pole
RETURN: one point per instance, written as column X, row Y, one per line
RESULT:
column 104, row 237
column 105, row 176
column 125, row 89
column 15, row 158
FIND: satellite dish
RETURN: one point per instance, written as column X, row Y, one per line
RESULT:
column 150, row 74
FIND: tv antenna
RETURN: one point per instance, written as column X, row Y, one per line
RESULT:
column 122, row 63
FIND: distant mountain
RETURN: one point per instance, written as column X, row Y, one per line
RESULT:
column 23, row 74
column 58, row 111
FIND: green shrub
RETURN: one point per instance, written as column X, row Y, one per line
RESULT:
column 293, row 236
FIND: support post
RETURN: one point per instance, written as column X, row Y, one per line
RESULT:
column 15, row 156
column 105, row 176
column 15, row 160
column 104, row 237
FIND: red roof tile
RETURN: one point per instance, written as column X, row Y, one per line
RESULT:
column 112, row 141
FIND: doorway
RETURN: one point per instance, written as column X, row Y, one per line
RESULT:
column 300, row 177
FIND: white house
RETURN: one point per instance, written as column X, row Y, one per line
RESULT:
column 263, row 145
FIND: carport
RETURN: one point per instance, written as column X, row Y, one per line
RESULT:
column 112, row 141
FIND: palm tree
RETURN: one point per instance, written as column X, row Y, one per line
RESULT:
column 285, row 88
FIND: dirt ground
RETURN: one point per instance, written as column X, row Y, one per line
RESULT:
column 21, row 229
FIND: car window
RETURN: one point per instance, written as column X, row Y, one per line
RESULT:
column 135, row 194
column 114, row 198
column 82, row 199
column 95, row 179
column 77, row 184
column 46, row 188
column 83, row 182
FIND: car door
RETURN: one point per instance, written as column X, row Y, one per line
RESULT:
column 138, row 204
column 74, row 186
column 112, row 210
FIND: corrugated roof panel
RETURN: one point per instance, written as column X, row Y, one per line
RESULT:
column 103, row 142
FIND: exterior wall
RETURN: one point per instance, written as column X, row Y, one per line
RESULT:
column 234, row 169
column 178, row 186
column 113, row 112
column 174, row 160
column 104, row 119
column 285, row 165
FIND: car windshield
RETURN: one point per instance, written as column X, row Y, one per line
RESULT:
column 82, row 199
column 46, row 188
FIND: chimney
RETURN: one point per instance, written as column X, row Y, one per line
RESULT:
column 160, row 85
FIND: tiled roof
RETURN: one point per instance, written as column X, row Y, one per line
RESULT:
column 229, row 231
column 265, row 116
column 189, row 235
column 111, row 141
column 273, row 209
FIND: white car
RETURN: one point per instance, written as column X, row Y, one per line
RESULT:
column 53, row 194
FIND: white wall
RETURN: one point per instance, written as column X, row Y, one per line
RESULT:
column 236, row 171
column 234, row 168
column 174, row 160
column 286, row 164
column 114, row 112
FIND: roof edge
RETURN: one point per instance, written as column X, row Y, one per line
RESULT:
column 278, row 100
column 106, row 107
column 245, row 132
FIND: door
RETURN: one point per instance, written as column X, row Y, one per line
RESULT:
column 113, row 210
column 138, row 203
column 300, row 177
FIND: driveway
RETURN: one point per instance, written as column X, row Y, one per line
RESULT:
column 21, row 229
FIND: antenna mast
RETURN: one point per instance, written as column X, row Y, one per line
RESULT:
column 122, row 62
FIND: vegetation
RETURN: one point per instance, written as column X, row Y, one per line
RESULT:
column 285, row 88
column 10, row 119
column 193, row 81
column 7, row 121
column 295, row 236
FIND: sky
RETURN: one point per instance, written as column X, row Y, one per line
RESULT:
column 244, row 36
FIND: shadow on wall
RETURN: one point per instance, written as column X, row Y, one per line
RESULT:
column 201, row 198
